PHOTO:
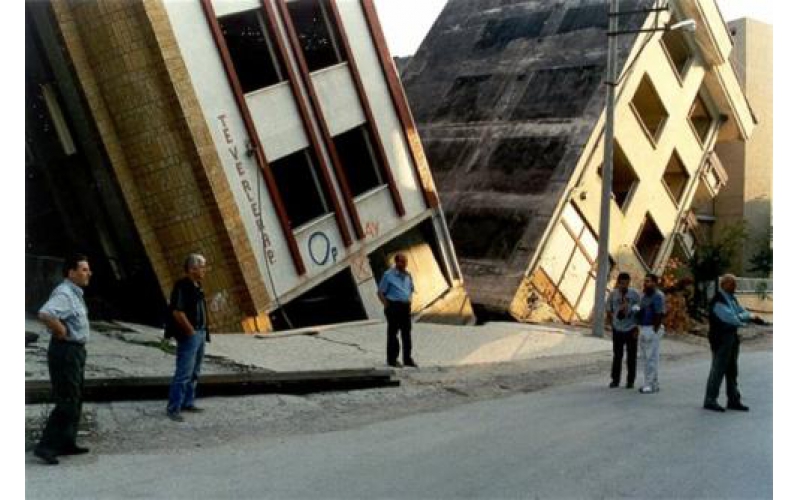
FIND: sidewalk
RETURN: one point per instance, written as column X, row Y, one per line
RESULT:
column 126, row 350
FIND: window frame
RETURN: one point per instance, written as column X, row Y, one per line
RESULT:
column 713, row 116
column 319, row 188
column 635, row 246
column 331, row 28
column 676, row 201
column 680, row 73
column 278, row 64
column 653, row 138
column 373, row 155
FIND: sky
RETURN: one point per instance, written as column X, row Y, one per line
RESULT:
column 406, row 22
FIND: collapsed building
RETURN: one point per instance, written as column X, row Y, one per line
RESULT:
column 509, row 99
column 272, row 136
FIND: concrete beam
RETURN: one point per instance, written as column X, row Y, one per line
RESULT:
column 238, row 384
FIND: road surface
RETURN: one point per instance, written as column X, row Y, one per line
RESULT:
column 580, row 440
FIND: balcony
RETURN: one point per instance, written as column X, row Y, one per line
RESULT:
column 713, row 175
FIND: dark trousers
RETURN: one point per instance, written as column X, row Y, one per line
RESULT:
column 623, row 341
column 398, row 317
column 725, row 363
column 66, row 362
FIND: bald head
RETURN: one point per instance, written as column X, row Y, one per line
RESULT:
column 728, row 283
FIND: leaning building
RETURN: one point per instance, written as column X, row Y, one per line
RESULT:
column 271, row 135
column 509, row 98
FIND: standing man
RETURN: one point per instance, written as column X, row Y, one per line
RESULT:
column 188, row 323
column 67, row 319
column 621, row 314
column 395, row 292
column 725, row 318
column 651, row 314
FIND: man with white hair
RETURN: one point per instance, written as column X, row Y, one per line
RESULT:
column 725, row 318
column 187, row 322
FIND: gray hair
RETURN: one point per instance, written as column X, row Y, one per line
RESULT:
column 726, row 278
column 193, row 260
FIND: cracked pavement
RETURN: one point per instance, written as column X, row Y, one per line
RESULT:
column 459, row 365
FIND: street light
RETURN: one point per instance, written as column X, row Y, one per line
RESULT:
column 688, row 25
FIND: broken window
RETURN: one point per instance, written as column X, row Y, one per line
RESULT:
column 252, row 49
column 498, row 33
column 463, row 101
column 596, row 16
column 356, row 151
column 700, row 118
column 524, row 164
column 649, row 242
column 648, row 108
column 558, row 93
column 299, row 181
column 580, row 18
column 487, row 235
column 624, row 178
column 317, row 32
column 678, row 51
column 676, row 178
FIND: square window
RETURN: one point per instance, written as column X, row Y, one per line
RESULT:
column 676, row 178
column 701, row 118
column 299, row 181
column 498, row 34
column 252, row 49
column 624, row 178
column 356, row 151
column 678, row 51
column 317, row 32
column 470, row 99
column 648, row 108
column 649, row 242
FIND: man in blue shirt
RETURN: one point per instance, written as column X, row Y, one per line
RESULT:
column 650, row 312
column 725, row 317
column 394, row 291
column 620, row 312
column 67, row 319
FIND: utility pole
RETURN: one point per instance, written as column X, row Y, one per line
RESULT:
column 601, row 282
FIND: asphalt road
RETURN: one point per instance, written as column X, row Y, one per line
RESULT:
column 581, row 440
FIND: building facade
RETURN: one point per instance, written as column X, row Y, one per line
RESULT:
column 748, row 194
column 509, row 98
column 274, row 137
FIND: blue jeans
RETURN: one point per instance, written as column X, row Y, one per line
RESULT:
column 188, row 360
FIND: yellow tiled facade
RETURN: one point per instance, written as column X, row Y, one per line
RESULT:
column 141, row 98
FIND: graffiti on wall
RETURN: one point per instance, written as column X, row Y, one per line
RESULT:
column 372, row 229
column 321, row 250
column 252, row 199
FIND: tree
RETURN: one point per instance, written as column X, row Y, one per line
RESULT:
column 761, row 261
column 712, row 259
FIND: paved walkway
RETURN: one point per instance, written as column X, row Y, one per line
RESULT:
column 133, row 350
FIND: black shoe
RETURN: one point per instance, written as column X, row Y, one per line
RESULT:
column 410, row 364
column 74, row 450
column 714, row 407
column 629, row 385
column 174, row 416
column 737, row 406
column 394, row 364
column 46, row 455
column 613, row 384
column 193, row 409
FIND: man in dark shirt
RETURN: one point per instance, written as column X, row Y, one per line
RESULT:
column 187, row 322
column 726, row 316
